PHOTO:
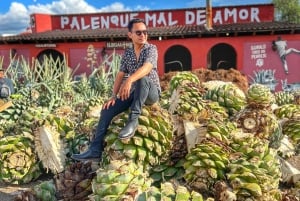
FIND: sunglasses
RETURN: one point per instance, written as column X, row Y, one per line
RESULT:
column 145, row 32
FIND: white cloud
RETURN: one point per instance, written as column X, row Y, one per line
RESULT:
column 63, row 6
column 17, row 18
column 140, row 7
column 114, row 7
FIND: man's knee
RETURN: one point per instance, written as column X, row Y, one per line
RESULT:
column 143, row 81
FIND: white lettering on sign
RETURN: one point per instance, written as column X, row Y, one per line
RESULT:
column 258, row 53
column 160, row 18
column 150, row 18
column 95, row 23
column 198, row 17
column 45, row 45
column 64, row 21
column 166, row 20
column 254, row 15
column 116, row 45
column 232, row 14
column 243, row 14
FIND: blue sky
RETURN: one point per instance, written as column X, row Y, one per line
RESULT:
column 14, row 15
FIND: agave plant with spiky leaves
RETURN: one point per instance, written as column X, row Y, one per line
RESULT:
column 44, row 191
column 170, row 191
column 260, row 96
column 19, row 164
column 257, row 117
column 286, row 111
column 205, row 164
column 119, row 180
column 254, row 169
column 151, row 142
column 182, row 77
column 103, row 77
column 229, row 96
column 284, row 97
column 187, row 102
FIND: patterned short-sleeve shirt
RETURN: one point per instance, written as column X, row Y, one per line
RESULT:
column 129, row 63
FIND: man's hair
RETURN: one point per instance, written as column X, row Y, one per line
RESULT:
column 133, row 21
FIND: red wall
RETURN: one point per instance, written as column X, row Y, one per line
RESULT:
column 40, row 22
column 199, row 48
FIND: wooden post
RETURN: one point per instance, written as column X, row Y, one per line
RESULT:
column 5, row 106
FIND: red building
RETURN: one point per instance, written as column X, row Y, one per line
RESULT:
column 241, row 37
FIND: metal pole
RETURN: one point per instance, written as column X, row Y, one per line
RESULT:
column 208, row 14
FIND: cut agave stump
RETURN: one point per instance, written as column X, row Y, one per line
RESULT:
column 18, row 162
column 5, row 105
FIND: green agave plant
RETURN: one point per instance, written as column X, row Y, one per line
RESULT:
column 50, row 83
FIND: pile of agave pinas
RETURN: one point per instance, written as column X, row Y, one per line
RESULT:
column 203, row 141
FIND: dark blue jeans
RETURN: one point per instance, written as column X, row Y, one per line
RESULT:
column 145, row 93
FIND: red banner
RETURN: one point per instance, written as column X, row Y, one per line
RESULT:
column 157, row 18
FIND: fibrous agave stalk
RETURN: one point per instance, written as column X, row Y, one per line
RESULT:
column 49, row 148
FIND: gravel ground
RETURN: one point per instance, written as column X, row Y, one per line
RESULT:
column 9, row 192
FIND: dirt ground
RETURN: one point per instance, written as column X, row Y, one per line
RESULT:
column 295, row 161
column 9, row 191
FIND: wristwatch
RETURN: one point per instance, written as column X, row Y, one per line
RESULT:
column 114, row 96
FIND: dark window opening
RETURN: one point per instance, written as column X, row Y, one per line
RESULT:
column 222, row 56
column 178, row 58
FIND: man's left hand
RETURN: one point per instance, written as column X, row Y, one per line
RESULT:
column 124, row 92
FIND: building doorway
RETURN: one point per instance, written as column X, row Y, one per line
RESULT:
column 50, row 54
column 178, row 58
column 50, row 61
column 222, row 56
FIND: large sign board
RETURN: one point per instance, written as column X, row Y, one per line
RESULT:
column 158, row 18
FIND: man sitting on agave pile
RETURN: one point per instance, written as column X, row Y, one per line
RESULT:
column 140, row 87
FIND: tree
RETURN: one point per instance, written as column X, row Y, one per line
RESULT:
column 287, row 10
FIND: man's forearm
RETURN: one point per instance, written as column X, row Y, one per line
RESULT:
column 141, row 72
column 118, row 82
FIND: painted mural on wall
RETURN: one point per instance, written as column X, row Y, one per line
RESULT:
column 90, row 58
column 12, row 55
column 273, row 63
